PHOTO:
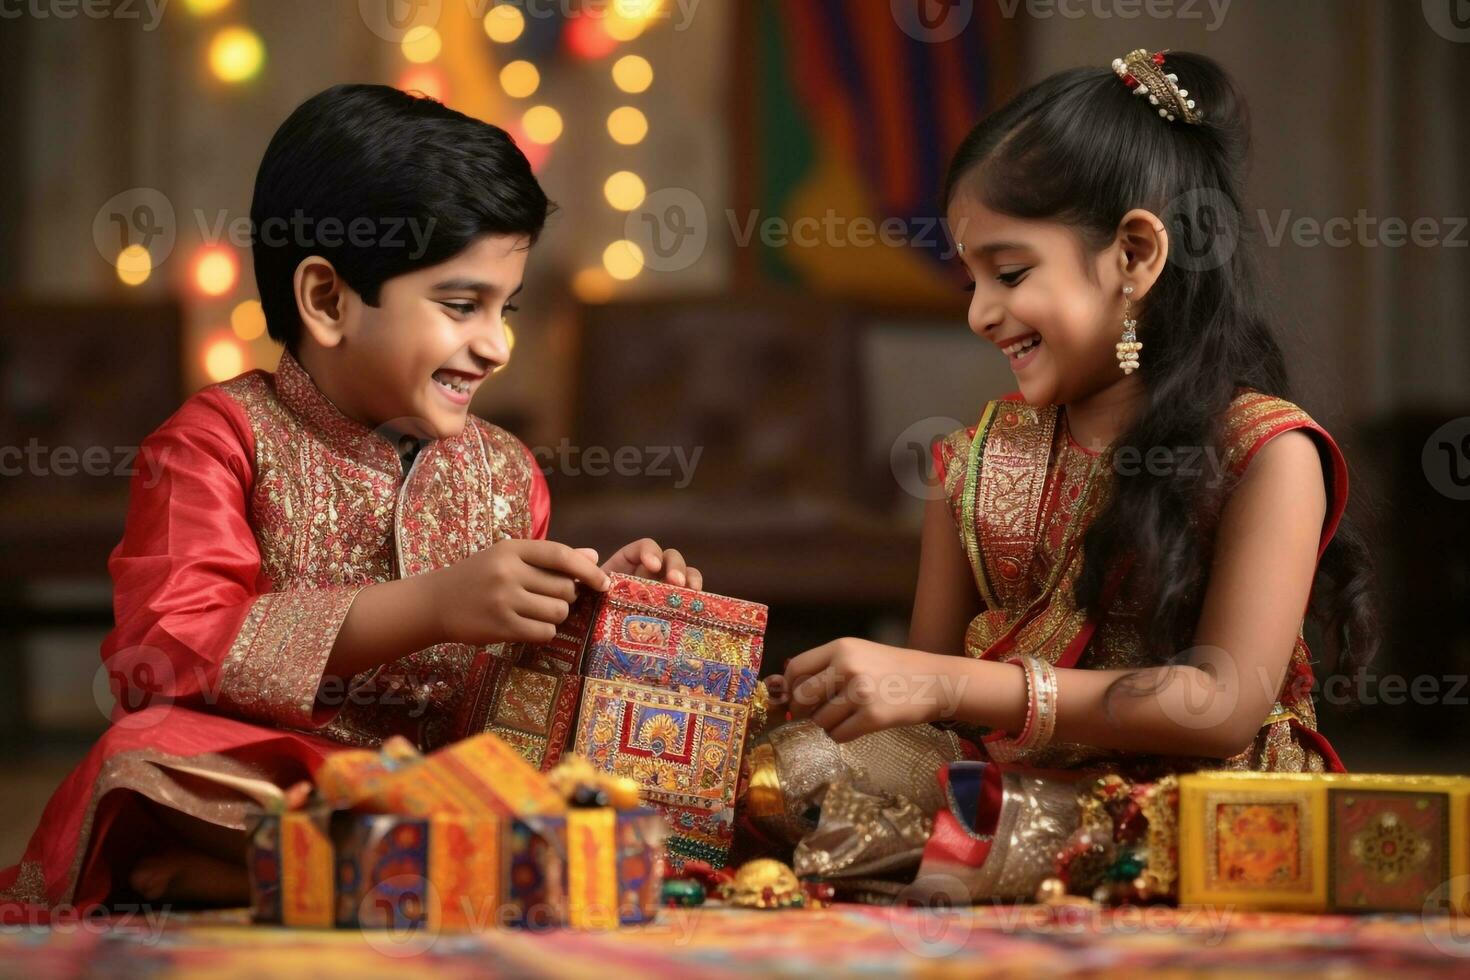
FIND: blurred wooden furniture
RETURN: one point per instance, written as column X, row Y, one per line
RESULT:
column 81, row 385
column 1420, row 539
column 767, row 391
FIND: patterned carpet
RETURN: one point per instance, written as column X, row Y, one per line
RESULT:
column 713, row 942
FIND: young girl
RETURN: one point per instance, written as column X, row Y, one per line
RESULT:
column 1118, row 558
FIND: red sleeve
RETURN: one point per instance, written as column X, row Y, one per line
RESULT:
column 194, row 622
column 940, row 469
column 1255, row 419
column 540, row 502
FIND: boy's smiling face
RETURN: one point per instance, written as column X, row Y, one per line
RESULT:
column 412, row 363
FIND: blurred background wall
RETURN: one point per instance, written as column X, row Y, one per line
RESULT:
column 773, row 385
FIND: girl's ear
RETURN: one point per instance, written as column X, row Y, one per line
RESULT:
column 320, row 293
column 1143, row 248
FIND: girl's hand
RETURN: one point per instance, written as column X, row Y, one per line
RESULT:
column 852, row 687
column 644, row 557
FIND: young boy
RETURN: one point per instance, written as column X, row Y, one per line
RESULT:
column 332, row 548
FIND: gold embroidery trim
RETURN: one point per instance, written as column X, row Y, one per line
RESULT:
column 275, row 666
column 969, row 525
column 1011, row 483
column 137, row 770
column 29, row 887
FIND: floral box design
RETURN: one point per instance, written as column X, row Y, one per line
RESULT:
column 647, row 680
column 592, row 868
column 467, row 837
column 1339, row 842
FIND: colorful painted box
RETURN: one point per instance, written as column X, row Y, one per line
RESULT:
column 649, row 681
column 1336, row 842
column 590, row 869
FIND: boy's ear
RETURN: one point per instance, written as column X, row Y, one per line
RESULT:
column 1143, row 248
column 320, row 294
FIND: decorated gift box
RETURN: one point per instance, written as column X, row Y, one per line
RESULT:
column 1325, row 842
column 468, row 837
column 647, row 681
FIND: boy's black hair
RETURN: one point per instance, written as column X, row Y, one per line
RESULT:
column 381, row 183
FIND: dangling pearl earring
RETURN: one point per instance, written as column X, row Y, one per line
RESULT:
column 1129, row 346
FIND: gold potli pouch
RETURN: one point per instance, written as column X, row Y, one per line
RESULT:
column 858, row 814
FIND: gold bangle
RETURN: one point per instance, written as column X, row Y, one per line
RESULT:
column 1041, row 712
column 1046, row 706
column 1007, row 749
column 1010, row 749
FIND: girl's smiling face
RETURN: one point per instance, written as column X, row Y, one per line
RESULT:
column 1051, row 305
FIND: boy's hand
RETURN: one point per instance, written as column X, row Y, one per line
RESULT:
column 514, row 591
column 852, row 687
column 644, row 557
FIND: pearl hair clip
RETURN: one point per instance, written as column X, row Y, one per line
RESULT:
column 1144, row 73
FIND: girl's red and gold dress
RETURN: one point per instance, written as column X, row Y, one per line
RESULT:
column 268, row 513
column 1022, row 494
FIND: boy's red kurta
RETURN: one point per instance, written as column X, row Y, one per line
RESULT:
column 235, row 572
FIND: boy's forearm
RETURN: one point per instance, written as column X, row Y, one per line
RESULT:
column 387, row 620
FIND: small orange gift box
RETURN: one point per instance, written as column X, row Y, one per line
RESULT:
column 469, row 837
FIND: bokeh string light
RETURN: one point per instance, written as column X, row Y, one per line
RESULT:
column 626, row 20
column 623, row 259
column 216, row 270
column 134, row 265
column 542, row 124
column 236, row 54
column 587, row 39
column 520, row 79
column 422, row 44
column 205, row 8
column 627, row 125
column 504, row 23
column 223, row 358
column 624, row 190
column 632, row 73
column 248, row 320
column 594, row 285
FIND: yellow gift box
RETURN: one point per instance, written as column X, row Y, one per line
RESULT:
column 468, row 837
column 1325, row 842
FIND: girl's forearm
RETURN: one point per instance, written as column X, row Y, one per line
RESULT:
column 1177, row 710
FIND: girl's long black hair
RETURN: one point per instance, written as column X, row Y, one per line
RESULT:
column 1081, row 148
